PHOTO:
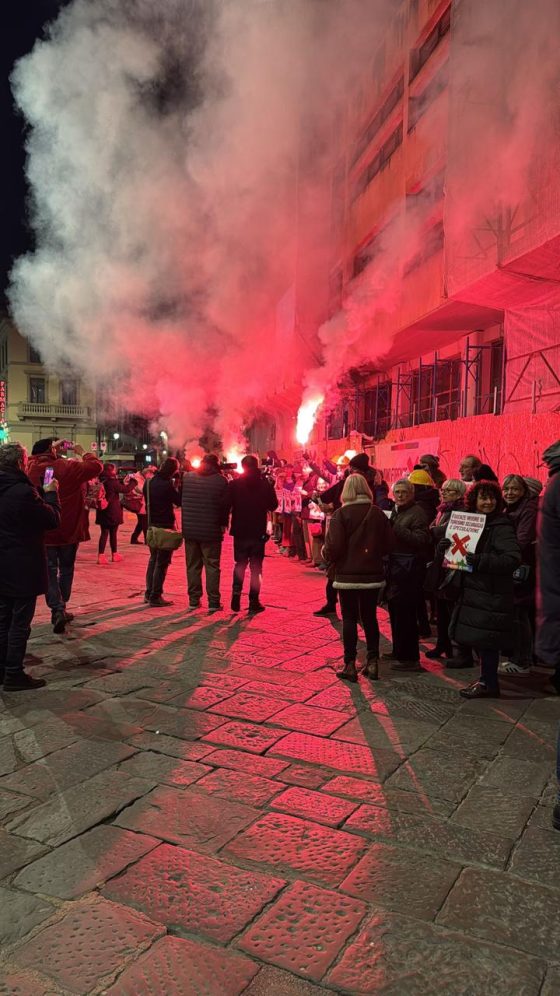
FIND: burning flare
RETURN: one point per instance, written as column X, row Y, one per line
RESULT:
column 306, row 418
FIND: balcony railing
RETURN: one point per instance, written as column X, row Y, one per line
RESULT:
column 30, row 409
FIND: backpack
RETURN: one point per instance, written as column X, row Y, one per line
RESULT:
column 95, row 495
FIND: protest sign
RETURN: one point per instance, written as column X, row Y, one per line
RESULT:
column 464, row 531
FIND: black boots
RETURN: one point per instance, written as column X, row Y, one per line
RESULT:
column 236, row 601
column 348, row 672
column 21, row 682
column 255, row 606
column 326, row 610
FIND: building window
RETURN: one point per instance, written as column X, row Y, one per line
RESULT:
column 419, row 56
column 380, row 161
column 34, row 355
column 375, row 124
column 418, row 105
column 367, row 253
column 432, row 243
column 37, row 390
column 489, row 395
column 377, row 410
column 447, row 394
column 68, row 392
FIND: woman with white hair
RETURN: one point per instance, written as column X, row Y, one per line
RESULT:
column 359, row 537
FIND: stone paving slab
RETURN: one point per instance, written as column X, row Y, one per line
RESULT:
column 172, row 746
column 437, row 774
column 43, row 739
column 188, row 967
column 8, row 757
column 81, row 807
column 275, row 982
column 395, row 955
column 537, row 856
column 84, row 863
column 394, row 733
column 526, row 778
column 164, row 770
column 88, row 945
column 19, row 913
column 15, row 852
column 240, row 761
column 287, row 843
column 412, row 883
column 25, row 984
column 188, row 817
column 194, row 892
column 306, row 777
column 489, row 808
column 244, row 736
column 380, row 795
column 11, row 802
column 248, row 705
column 239, row 786
column 66, row 768
column 318, row 806
column 337, row 754
column 304, row 929
column 489, row 905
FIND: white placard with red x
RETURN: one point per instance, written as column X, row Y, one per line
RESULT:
column 464, row 530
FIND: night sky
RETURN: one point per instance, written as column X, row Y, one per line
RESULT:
column 22, row 24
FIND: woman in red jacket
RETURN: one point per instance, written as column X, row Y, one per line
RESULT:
column 358, row 538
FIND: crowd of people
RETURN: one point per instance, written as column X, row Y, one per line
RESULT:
column 500, row 612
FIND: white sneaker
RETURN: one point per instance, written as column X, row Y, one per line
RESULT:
column 509, row 667
column 102, row 559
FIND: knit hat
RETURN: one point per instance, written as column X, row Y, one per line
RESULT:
column 429, row 458
column 534, row 485
column 421, row 477
column 360, row 462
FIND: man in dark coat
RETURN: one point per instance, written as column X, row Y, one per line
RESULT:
column 406, row 573
column 548, row 562
column 204, row 515
column 24, row 518
column 249, row 499
column 62, row 543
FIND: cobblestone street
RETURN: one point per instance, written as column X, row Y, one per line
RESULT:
column 196, row 805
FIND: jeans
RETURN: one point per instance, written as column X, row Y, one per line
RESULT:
column 16, row 615
column 359, row 604
column 61, row 561
column 404, row 627
column 111, row 535
column 140, row 527
column 207, row 555
column 157, row 569
column 248, row 552
column 489, row 660
column 522, row 636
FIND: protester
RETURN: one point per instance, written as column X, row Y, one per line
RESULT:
column 548, row 560
column 522, row 508
column 467, row 468
column 452, row 495
column 430, row 464
column 135, row 502
column 249, row 499
column 359, row 537
column 484, row 472
column 405, row 576
column 161, row 495
column 25, row 516
column 111, row 517
column 62, row 543
column 427, row 498
column 204, row 514
column 483, row 614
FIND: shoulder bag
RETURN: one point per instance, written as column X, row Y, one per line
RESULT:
column 158, row 537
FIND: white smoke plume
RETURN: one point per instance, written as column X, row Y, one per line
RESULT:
column 164, row 159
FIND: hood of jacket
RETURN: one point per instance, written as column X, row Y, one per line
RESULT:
column 551, row 457
column 9, row 479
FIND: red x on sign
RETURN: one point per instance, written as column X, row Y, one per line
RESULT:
column 460, row 544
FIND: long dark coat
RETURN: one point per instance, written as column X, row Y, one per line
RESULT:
column 25, row 516
column 204, row 505
column 483, row 615
column 113, row 514
column 523, row 516
column 548, row 611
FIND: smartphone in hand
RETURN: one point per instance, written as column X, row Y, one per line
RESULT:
column 49, row 474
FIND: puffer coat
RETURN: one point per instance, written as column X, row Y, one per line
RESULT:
column 204, row 505
column 483, row 615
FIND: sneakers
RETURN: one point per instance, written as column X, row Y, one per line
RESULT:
column 326, row 610
column 406, row 666
column 159, row 602
column 235, row 602
column 59, row 622
column 509, row 667
column 116, row 558
column 256, row 607
column 22, row 682
column 102, row 559
column 479, row 690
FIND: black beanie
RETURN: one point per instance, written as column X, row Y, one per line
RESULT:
column 360, row 462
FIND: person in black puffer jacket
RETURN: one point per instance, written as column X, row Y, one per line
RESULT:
column 453, row 497
column 522, row 509
column 249, row 499
column 483, row 615
column 162, row 496
column 204, row 512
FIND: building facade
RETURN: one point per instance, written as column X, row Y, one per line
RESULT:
column 37, row 403
column 445, row 200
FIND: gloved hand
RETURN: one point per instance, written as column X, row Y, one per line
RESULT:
column 443, row 546
column 472, row 560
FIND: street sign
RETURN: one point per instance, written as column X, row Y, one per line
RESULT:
column 103, row 447
column 94, row 446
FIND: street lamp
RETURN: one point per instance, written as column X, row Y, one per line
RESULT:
column 144, row 446
column 116, row 435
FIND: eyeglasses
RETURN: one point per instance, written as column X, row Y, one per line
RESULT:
column 449, row 491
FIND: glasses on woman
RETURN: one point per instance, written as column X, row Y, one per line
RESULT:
column 449, row 491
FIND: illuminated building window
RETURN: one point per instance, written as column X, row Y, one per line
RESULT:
column 380, row 161
column 419, row 56
column 418, row 105
column 68, row 392
column 376, row 122
column 37, row 390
